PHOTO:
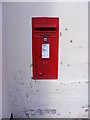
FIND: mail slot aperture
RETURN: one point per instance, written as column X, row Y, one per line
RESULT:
column 45, row 29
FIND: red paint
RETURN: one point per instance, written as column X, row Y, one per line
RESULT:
column 45, row 27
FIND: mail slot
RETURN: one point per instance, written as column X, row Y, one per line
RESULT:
column 45, row 44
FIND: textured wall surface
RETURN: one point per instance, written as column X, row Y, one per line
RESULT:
column 0, row 60
column 67, row 97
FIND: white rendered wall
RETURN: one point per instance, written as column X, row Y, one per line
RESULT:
column 67, row 97
column 5, row 86
column 0, row 60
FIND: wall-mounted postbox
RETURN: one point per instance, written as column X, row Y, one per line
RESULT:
column 45, row 43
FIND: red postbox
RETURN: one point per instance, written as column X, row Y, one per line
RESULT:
column 45, row 44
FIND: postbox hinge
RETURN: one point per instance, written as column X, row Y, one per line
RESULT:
column 31, row 77
column 60, row 34
column 31, row 65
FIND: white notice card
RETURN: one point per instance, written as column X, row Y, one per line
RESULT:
column 45, row 50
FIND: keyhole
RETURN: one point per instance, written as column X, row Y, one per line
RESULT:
column 40, row 56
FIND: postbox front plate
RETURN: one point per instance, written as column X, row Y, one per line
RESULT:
column 45, row 39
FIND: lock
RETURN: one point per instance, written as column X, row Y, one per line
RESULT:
column 45, row 39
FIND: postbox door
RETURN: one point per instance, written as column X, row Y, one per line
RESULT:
column 45, row 60
column 45, row 39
